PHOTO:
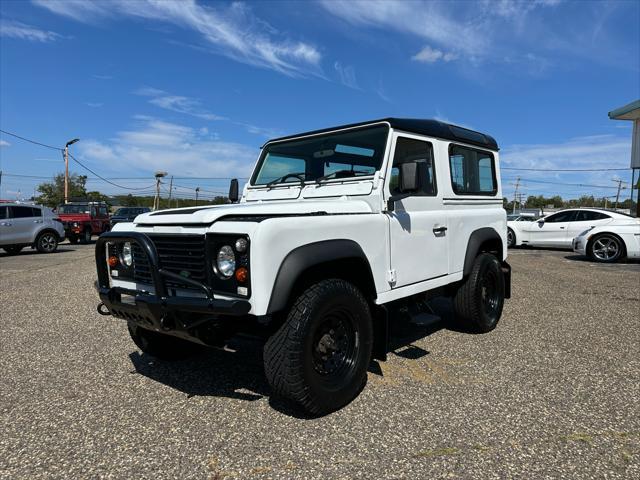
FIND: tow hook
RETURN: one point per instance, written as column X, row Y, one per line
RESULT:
column 103, row 310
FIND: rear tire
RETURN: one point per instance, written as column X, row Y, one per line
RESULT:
column 47, row 242
column 479, row 300
column 606, row 248
column 12, row 250
column 320, row 355
column 511, row 238
column 161, row 346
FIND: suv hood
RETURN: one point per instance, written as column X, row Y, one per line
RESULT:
column 209, row 214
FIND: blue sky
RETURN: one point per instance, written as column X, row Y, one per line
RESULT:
column 195, row 88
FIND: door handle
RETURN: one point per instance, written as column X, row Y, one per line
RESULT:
column 437, row 230
column 37, row 221
column 561, row 228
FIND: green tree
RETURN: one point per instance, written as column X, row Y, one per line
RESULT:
column 52, row 193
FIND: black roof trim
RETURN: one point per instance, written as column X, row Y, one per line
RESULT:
column 431, row 128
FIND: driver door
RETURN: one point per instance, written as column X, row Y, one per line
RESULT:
column 418, row 237
column 553, row 231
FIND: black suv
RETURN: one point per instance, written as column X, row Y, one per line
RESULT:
column 127, row 214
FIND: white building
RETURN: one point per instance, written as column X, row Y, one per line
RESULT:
column 631, row 112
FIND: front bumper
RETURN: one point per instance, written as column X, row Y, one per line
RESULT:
column 159, row 311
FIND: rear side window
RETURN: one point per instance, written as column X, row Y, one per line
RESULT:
column 587, row 216
column 37, row 212
column 22, row 212
column 3, row 212
column 420, row 152
column 473, row 172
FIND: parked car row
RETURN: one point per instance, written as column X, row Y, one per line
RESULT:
column 602, row 235
column 41, row 228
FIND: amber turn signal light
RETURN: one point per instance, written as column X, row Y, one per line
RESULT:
column 242, row 274
column 113, row 261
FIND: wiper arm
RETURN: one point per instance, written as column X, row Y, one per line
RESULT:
column 345, row 173
column 299, row 176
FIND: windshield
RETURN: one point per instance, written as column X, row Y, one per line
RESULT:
column 73, row 209
column 324, row 157
column 129, row 211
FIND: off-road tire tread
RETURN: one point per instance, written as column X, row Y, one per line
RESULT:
column 283, row 348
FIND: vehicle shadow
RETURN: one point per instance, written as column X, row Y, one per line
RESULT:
column 237, row 371
column 31, row 252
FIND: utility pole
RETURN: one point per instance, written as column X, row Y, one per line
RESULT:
column 618, row 194
column 66, row 168
column 515, row 194
column 156, row 200
column 197, row 190
column 170, row 190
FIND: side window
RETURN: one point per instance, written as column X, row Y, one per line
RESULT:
column 473, row 172
column 4, row 212
column 421, row 152
column 21, row 212
column 94, row 212
column 567, row 216
column 587, row 216
column 37, row 212
column 103, row 211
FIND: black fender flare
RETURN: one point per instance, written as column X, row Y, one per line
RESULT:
column 477, row 238
column 301, row 258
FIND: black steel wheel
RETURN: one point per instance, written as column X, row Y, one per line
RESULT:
column 319, row 356
column 479, row 299
column 47, row 242
column 606, row 248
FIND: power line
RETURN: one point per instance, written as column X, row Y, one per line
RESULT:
column 565, row 169
column 104, row 179
column 31, row 141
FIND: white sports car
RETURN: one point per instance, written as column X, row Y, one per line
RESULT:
column 559, row 229
column 610, row 243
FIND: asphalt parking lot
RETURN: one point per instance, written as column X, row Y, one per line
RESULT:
column 553, row 392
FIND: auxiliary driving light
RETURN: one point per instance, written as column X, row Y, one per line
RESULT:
column 113, row 261
column 242, row 274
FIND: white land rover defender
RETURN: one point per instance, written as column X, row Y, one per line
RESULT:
column 333, row 227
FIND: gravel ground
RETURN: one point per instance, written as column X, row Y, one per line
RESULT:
column 553, row 392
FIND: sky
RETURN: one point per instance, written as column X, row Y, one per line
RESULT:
column 195, row 88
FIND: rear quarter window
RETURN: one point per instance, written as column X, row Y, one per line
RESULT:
column 473, row 171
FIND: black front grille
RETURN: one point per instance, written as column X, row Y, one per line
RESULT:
column 184, row 255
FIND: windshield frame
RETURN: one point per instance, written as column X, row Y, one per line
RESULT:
column 263, row 153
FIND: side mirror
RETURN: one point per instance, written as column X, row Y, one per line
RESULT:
column 408, row 177
column 233, row 190
column 408, row 182
column 540, row 222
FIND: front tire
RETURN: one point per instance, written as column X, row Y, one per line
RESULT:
column 47, row 242
column 479, row 300
column 72, row 239
column 161, row 346
column 320, row 355
column 86, row 236
column 606, row 248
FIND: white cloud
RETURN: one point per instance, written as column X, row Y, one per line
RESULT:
column 9, row 28
column 94, row 104
column 347, row 75
column 102, row 77
column 432, row 55
column 177, row 103
column 4, row 143
column 232, row 31
column 178, row 149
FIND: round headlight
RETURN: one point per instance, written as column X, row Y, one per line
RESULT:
column 241, row 245
column 226, row 261
column 127, row 255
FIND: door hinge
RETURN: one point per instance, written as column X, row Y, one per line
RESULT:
column 391, row 277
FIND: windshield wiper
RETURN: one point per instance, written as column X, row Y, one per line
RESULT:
column 343, row 173
column 299, row 176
